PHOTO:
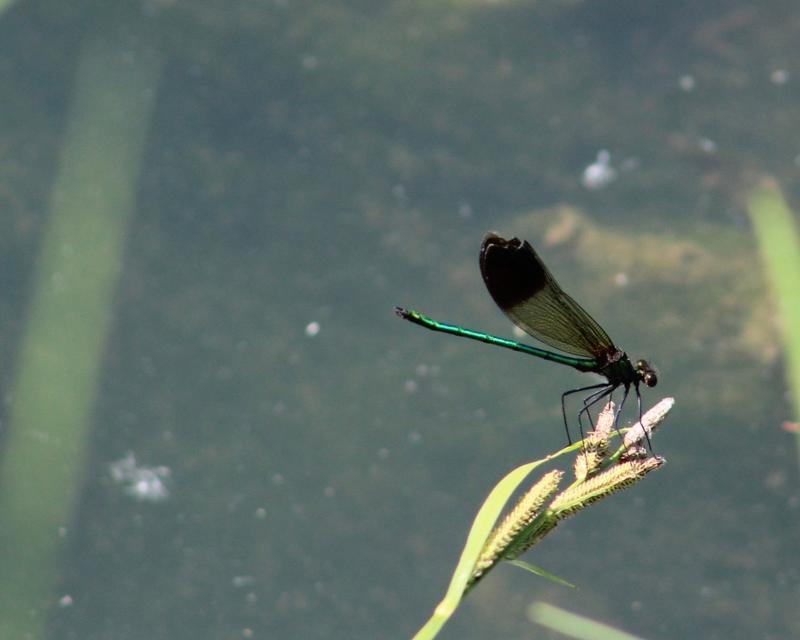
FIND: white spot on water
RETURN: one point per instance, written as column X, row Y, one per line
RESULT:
column 600, row 173
column 779, row 77
column 312, row 329
column 707, row 145
column 687, row 83
column 146, row 484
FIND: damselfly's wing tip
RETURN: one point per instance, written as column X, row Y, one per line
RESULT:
column 490, row 236
column 511, row 271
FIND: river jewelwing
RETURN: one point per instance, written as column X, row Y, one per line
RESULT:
column 525, row 290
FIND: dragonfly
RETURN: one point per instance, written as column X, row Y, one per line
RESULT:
column 530, row 296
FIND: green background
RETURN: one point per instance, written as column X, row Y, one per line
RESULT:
column 324, row 161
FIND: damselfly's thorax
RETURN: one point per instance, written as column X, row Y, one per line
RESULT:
column 616, row 367
column 619, row 370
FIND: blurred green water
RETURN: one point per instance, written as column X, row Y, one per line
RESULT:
column 323, row 162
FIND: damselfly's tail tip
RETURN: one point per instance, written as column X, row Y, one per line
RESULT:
column 412, row 316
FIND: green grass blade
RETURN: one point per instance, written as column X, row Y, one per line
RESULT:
column 481, row 528
column 779, row 244
column 541, row 508
column 541, row 572
column 573, row 625
column 71, row 309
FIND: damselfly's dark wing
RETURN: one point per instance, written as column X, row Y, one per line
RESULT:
column 529, row 295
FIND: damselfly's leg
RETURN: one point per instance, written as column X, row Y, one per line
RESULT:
column 639, row 404
column 592, row 399
column 564, row 407
column 619, row 410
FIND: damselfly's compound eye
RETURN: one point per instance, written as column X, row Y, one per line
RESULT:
column 646, row 373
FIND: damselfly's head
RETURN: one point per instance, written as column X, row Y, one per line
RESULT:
column 645, row 373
